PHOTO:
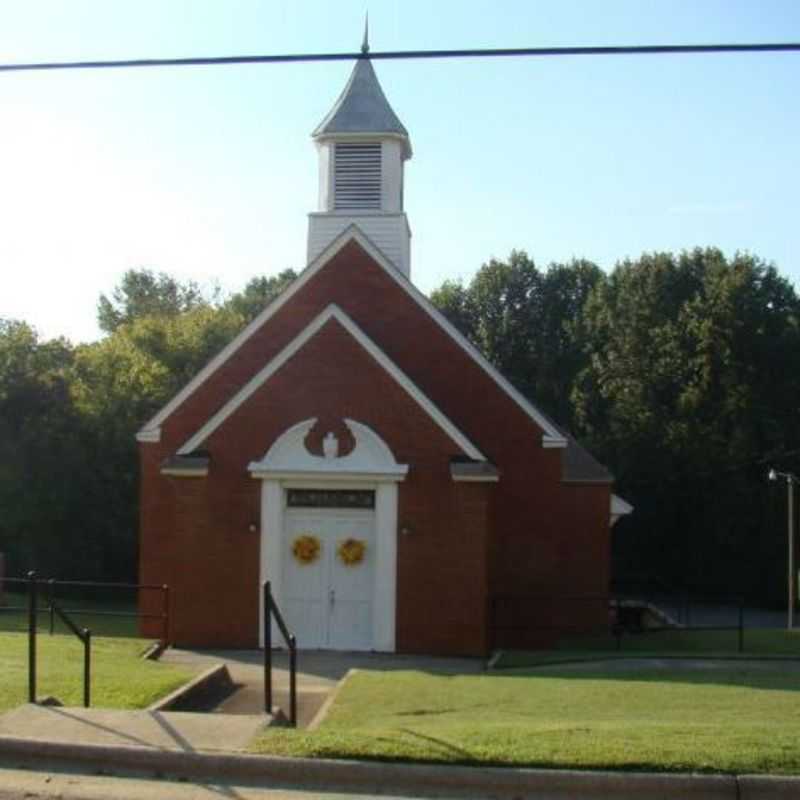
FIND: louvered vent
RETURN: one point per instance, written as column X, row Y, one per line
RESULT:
column 357, row 176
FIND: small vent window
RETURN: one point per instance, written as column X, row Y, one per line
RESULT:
column 357, row 176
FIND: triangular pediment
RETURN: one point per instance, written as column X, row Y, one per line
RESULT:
column 331, row 315
column 552, row 436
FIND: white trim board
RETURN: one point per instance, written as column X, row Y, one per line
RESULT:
column 150, row 432
column 332, row 312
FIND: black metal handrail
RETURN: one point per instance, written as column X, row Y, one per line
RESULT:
column 84, row 634
column 270, row 609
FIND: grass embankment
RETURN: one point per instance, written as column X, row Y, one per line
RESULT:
column 758, row 643
column 736, row 719
column 120, row 677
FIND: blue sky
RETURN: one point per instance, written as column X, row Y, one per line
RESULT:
column 208, row 173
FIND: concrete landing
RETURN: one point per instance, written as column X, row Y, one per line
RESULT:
column 318, row 673
column 160, row 730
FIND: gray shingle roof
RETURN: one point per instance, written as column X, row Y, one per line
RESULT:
column 580, row 466
column 362, row 107
column 475, row 470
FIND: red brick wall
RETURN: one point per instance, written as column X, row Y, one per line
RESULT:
column 546, row 537
column 214, row 569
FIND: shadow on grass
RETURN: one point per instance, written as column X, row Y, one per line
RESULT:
column 448, row 747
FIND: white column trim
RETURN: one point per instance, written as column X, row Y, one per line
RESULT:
column 385, row 589
column 270, row 554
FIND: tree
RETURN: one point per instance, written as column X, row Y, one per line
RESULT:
column 524, row 321
column 258, row 293
column 43, row 461
column 691, row 386
column 68, row 418
column 144, row 293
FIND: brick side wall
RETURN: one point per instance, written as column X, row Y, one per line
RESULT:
column 546, row 537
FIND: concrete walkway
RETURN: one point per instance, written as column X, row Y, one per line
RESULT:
column 232, row 723
column 52, row 784
column 161, row 730
column 712, row 614
column 673, row 665
column 318, row 673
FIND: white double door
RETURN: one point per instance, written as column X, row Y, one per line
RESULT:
column 328, row 604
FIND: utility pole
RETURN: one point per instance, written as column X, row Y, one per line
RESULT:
column 791, row 479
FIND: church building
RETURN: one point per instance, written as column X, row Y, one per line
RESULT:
column 353, row 448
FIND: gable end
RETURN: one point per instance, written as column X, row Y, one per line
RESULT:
column 551, row 437
column 332, row 312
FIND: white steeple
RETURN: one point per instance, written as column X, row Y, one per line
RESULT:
column 362, row 148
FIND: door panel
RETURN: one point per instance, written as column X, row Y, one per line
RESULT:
column 328, row 604
column 350, row 626
column 304, row 586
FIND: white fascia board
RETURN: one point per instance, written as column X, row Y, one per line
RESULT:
column 272, row 308
column 177, row 472
column 366, row 137
column 551, row 433
column 328, row 476
column 552, row 436
column 332, row 312
column 620, row 507
column 149, row 435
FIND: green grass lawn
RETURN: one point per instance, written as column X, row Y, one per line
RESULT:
column 759, row 642
column 120, row 678
column 94, row 615
column 736, row 719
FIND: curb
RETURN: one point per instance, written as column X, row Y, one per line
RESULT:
column 491, row 664
column 323, row 710
column 213, row 679
column 153, row 652
column 410, row 779
column 768, row 787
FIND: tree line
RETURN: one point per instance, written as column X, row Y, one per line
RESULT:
column 681, row 372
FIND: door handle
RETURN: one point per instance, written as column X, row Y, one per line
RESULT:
column 332, row 597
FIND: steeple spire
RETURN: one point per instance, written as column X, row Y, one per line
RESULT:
column 362, row 148
column 362, row 108
column 365, row 42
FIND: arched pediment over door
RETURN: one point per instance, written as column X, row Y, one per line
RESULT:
column 289, row 456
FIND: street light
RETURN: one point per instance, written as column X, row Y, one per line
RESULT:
column 791, row 479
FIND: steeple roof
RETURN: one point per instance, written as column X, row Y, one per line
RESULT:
column 362, row 107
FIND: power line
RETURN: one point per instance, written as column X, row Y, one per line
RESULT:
column 658, row 49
